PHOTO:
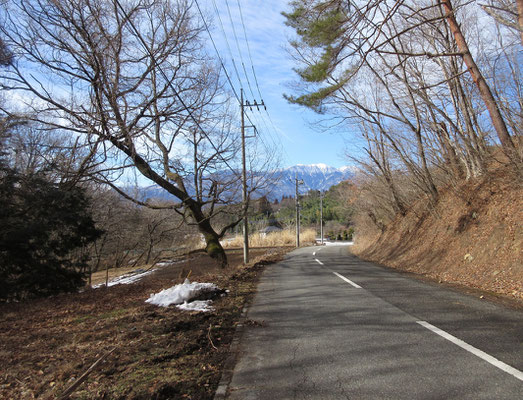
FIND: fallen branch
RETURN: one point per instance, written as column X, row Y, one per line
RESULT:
column 210, row 339
column 72, row 388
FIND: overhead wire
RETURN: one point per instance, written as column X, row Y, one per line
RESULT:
column 169, row 82
column 227, row 42
column 248, row 48
column 274, row 130
column 233, row 26
column 270, row 128
column 217, row 52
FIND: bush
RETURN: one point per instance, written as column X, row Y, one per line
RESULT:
column 41, row 225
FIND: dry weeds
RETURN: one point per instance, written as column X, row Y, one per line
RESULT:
column 161, row 353
column 473, row 237
column 273, row 239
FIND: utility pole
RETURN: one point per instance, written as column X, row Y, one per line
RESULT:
column 298, row 182
column 244, row 191
column 321, row 216
column 245, row 199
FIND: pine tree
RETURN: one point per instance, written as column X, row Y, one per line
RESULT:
column 41, row 226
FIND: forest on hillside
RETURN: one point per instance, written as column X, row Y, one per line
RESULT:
column 434, row 89
column 92, row 98
column 93, row 105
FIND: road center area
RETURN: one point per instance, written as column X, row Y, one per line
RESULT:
column 315, row 335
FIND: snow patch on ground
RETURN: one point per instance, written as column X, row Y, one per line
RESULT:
column 336, row 243
column 197, row 305
column 126, row 279
column 182, row 295
column 164, row 264
column 339, row 243
column 168, row 263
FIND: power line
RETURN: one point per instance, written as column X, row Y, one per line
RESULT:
column 271, row 130
column 270, row 127
column 256, row 80
column 261, row 121
column 248, row 48
column 227, row 43
column 169, row 82
column 217, row 52
column 238, row 47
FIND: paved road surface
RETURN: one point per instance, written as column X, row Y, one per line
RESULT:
column 330, row 326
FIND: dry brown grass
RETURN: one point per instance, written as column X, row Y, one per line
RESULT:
column 472, row 236
column 100, row 276
column 161, row 353
column 274, row 239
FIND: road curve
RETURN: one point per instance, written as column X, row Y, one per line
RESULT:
column 326, row 325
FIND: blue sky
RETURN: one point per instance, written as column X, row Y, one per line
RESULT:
column 268, row 37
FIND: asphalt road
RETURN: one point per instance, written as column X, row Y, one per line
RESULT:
column 326, row 325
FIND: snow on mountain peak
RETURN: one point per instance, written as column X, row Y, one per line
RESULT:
column 314, row 177
column 310, row 168
column 321, row 166
column 349, row 168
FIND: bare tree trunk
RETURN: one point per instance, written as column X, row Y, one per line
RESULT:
column 149, row 251
column 384, row 166
column 213, row 248
column 520, row 18
column 212, row 239
column 449, row 153
column 479, row 80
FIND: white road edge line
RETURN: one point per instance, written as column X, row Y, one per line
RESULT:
column 318, row 261
column 477, row 352
column 347, row 280
column 314, row 253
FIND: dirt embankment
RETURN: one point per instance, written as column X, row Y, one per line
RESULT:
column 160, row 353
column 472, row 237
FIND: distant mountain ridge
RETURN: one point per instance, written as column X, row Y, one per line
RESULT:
column 314, row 177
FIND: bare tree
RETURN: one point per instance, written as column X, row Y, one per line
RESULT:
column 483, row 87
column 407, row 69
column 131, row 80
column 507, row 13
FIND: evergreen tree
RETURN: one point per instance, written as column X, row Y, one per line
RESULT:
column 41, row 226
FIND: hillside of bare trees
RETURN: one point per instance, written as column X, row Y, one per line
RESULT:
column 471, row 237
column 434, row 91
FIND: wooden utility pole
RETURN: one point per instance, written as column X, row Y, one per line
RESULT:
column 245, row 198
column 321, row 216
column 298, row 182
column 244, row 191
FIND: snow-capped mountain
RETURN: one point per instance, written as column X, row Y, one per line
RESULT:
column 314, row 177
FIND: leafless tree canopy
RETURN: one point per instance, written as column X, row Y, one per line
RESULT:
column 430, row 86
column 131, row 82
